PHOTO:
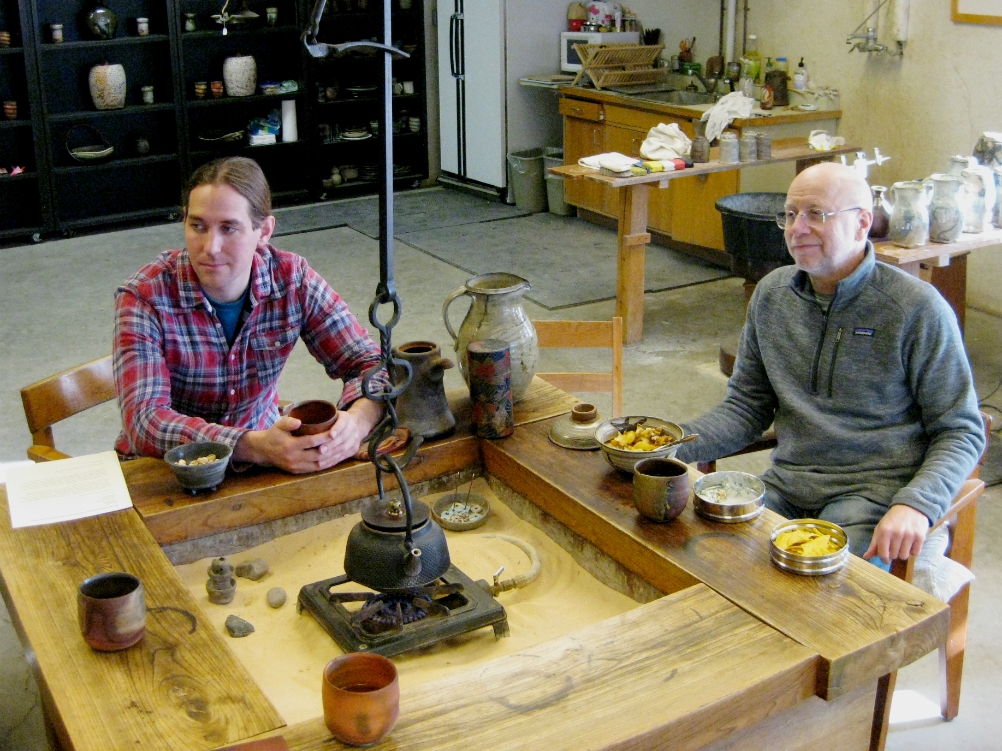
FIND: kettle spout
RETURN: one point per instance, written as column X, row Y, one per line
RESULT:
column 412, row 562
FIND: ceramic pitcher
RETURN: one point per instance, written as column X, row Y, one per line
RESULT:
column 980, row 191
column 496, row 312
column 881, row 213
column 946, row 214
column 909, row 225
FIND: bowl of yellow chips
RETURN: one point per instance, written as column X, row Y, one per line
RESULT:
column 626, row 440
column 811, row 547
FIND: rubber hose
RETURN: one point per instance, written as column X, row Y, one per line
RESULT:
column 522, row 579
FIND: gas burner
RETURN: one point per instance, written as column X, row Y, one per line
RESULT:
column 389, row 624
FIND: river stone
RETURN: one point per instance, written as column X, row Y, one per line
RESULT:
column 276, row 597
column 238, row 626
column 253, row 570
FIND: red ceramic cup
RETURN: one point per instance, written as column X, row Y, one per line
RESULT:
column 112, row 611
column 316, row 415
column 361, row 697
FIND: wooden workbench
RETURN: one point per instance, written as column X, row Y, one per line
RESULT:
column 633, row 235
column 740, row 655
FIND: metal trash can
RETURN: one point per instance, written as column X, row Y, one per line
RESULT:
column 752, row 238
column 526, row 169
column 555, row 196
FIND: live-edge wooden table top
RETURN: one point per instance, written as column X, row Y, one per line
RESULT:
column 862, row 621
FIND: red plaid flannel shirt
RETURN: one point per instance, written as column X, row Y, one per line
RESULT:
column 178, row 381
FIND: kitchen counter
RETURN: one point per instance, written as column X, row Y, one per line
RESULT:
column 739, row 652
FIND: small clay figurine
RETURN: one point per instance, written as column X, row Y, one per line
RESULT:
column 221, row 585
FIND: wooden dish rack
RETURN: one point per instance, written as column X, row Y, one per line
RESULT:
column 619, row 64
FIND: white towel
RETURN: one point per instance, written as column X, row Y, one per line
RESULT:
column 729, row 108
column 936, row 574
column 820, row 140
column 613, row 161
column 665, row 142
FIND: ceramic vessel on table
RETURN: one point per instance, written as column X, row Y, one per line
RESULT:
column 423, row 406
column 980, row 191
column 112, row 611
column 881, row 213
column 660, row 488
column 361, row 698
column 577, row 430
column 626, row 460
column 946, row 215
column 909, row 225
column 315, row 415
column 497, row 313
column 199, row 476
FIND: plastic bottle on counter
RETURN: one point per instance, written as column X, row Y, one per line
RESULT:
column 782, row 65
column 800, row 77
column 753, row 57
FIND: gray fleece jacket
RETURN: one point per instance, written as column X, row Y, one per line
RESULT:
column 874, row 398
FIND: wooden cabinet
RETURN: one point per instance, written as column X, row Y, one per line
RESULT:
column 155, row 146
column 24, row 197
column 685, row 210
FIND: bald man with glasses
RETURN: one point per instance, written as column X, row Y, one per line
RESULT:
column 860, row 368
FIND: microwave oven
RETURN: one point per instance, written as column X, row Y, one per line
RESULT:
column 569, row 60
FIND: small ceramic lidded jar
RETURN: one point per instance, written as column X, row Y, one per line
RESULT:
column 143, row 27
column 56, row 29
column 189, row 22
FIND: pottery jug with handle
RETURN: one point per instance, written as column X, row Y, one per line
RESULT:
column 423, row 406
column 909, row 225
column 980, row 191
column 496, row 312
column 946, row 214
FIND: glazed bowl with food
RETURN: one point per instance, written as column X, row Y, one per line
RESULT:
column 810, row 547
column 626, row 440
column 200, row 465
column 728, row 496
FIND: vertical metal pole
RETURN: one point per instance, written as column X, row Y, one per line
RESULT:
column 387, row 285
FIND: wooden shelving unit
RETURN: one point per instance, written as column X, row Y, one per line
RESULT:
column 49, row 81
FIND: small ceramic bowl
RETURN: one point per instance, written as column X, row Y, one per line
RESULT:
column 317, row 416
column 627, row 460
column 199, row 476
column 729, row 496
column 810, row 565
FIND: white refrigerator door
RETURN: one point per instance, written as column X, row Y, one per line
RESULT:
column 472, row 89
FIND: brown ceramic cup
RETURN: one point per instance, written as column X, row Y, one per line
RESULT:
column 361, row 697
column 217, row 89
column 316, row 415
column 660, row 488
column 112, row 611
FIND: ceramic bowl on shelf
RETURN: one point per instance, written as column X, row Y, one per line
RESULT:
column 220, row 136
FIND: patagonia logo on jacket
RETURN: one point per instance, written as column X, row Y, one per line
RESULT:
column 862, row 332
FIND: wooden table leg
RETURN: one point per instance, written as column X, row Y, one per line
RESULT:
column 951, row 281
column 633, row 239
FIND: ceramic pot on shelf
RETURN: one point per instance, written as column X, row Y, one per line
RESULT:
column 107, row 86
column 909, row 225
column 240, row 75
column 102, row 22
column 497, row 313
column 980, row 191
column 946, row 215
column 881, row 213
column 997, row 211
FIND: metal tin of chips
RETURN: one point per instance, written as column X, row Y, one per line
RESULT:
column 810, row 565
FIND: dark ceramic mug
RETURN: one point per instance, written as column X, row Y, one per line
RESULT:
column 112, row 611
column 316, row 415
column 660, row 488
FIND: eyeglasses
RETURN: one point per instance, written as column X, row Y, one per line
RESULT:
column 814, row 217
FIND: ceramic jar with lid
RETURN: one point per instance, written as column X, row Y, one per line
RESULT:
column 728, row 149
column 240, row 75
column 577, row 430
column 107, row 86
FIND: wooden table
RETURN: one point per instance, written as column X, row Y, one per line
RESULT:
column 944, row 265
column 740, row 654
column 633, row 234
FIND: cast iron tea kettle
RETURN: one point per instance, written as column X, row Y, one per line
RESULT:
column 397, row 546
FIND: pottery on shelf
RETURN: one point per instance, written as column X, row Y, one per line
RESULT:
column 240, row 75
column 881, row 213
column 946, row 214
column 107, row 86
column 980, row 190
column 909, row 226
column 102, row 22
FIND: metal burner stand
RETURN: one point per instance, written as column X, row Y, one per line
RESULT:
column 470, row 609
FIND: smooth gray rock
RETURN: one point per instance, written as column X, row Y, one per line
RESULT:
column 253, row 570
column 238, row 626
column 276, row 597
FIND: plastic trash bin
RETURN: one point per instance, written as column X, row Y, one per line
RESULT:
column 553, row 156
column 527, row 179
column 752, row 238
column 555, row 196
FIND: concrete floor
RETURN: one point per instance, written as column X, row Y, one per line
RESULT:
column 55, row 312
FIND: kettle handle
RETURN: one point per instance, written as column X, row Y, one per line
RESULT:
column 445, row 310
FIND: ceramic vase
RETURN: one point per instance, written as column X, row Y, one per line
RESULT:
column 881, row 213
column 102, row 22
column 107, row 86
column 909, row 225
column 946, row 215
column 997, row 211
column 988, row 149
column 980, row 191
column 423, row 406
column 240, row 75
column 496, row 312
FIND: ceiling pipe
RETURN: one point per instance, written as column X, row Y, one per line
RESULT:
column 730, row 19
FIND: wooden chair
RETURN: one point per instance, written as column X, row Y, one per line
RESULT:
column 574, row 334
column 960, row 521
column 60, row 396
